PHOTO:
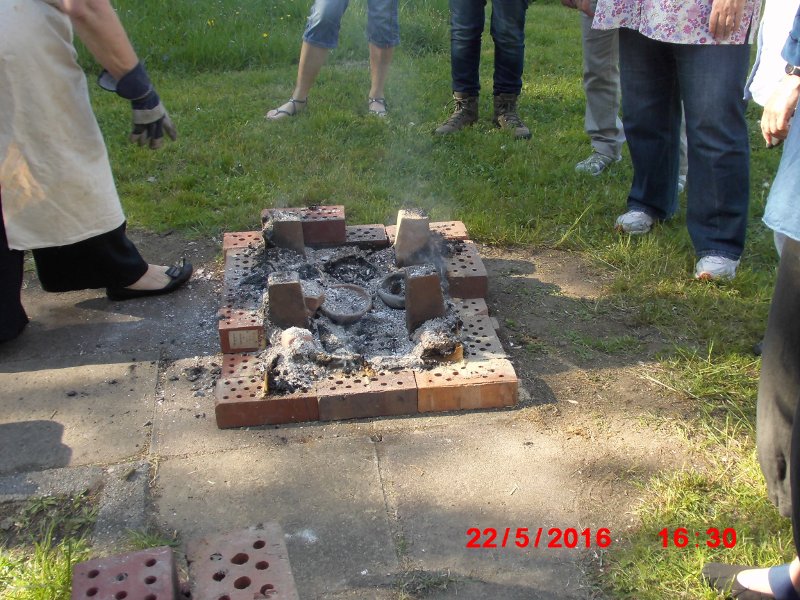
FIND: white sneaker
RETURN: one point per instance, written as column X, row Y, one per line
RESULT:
column 681, row 183
column 635, row 222
column 715, row 267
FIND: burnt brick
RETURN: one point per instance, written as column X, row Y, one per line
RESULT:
column 424, row 299
column 466, row 274
column 367, row 236
column 384, row 393
column 287, row 306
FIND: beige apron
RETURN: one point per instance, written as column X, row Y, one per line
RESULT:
column 55, row 178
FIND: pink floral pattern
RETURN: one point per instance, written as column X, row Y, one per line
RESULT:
column 675, row 21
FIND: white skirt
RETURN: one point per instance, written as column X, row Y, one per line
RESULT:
column 55, row 178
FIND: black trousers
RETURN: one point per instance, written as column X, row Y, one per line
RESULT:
column 106, row 260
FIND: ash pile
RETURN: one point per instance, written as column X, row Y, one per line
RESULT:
column 351, row 309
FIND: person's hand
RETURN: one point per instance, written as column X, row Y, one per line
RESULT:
column 569, row 3
column 150, row 122
column 725, row 18
column 150, row 118
column 585, row 6
column 779, row 110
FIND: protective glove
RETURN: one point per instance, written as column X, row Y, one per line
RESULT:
column 150, row 118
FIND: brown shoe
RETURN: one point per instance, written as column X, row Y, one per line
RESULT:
column 506, row 117
column 464, row 115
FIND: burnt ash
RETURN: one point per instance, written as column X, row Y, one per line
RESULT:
column 377, row 341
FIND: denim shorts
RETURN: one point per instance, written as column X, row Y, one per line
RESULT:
column 322, row 27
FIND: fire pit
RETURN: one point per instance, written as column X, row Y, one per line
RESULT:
column 326, row 321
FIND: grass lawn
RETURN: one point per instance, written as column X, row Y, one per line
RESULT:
column 220, row 65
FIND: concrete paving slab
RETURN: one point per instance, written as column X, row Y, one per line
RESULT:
column 445, row 482
column 54, row 414
column 326, row 494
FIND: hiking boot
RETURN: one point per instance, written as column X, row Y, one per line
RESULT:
column 635, row 222
column 464, row 115
column 506, row 117
column 595, row 164
column 715, row 267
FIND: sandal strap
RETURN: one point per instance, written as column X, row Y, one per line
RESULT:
column 381, row 101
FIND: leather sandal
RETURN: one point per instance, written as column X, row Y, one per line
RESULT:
column 378, row 112
column 276, row 114
column 178, row 274
column 723, row 578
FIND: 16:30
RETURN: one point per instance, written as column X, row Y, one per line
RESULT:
column 712, row 537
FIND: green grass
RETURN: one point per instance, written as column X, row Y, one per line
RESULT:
column 220, row 65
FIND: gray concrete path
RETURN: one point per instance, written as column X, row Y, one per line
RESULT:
column 118, row 396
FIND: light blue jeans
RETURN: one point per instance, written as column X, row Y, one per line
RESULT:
column 322, row 27
column 782, row 214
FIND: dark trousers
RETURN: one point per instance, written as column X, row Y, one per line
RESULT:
column 708, row 79
column 106, row 260
column 467, row 20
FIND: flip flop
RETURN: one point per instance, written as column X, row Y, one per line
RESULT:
column 722, row 578
column 378, row 112
column 178, row 274
column 279, row 113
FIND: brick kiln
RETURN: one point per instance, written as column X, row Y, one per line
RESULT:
column 325, row 321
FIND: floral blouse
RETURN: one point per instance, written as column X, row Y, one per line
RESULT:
column 674, row 21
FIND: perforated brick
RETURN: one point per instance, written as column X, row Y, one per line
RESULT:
column 450, row 230
column 144, row 575
column 480, row 339
column 466, row 274
column 240, row 330
column 242, row 565
column 367, row 236
column 242, row 399
column 470, row 307
column 383, row 393
column 468, row 385
column 240, row 265
column 322, row 225
column 241, row 239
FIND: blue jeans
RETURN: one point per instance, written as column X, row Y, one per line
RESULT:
column 709, row 79
column 322, row 26
column 467, row 19
column 781, row 214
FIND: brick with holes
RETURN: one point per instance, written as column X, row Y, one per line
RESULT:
column 240, row 398
column 467, row 385
column 323, row 225
column 240, row 330
column 466, row 274
column 145, row 575
column 242, row 565
column 383, row 393
column 470, row 307
column 367, row 236
column 480, row 339
column 241, row 240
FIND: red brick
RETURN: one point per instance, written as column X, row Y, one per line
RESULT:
column 367, row 236
column 239, row 265
column 144, row 575
column 450, row 230
column 466, row 275
column 357, row 396
column 241, row 239
column 467, row 385
column 322, row 225
column 240, row 330
column 424, row 299
column 287, row 306
column 480, row 339
column 242, row 565
column 470, row 307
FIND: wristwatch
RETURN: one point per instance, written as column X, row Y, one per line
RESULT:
column 792, row 70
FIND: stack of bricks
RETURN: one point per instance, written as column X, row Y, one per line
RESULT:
column 485, row 378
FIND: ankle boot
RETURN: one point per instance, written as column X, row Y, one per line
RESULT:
column 506, row 117
column 465, row 114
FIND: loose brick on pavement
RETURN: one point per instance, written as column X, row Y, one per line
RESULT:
column 144, row 575
column 242, row 565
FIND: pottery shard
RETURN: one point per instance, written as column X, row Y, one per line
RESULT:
column 314, row 296
column 411, row 245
